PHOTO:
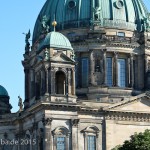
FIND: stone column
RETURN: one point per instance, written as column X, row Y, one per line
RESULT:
column 52, row 79
column 74, row 123
column 115, row 69
column 69, row 81
column 26, row 71
column 104, row 67
column 79, row 69
column 91, row 67
column 47, row 133
column 131, row 71
column 34, row 140
column 74, row 82
column 47, row 83
column 16, row 147
column 32, row 84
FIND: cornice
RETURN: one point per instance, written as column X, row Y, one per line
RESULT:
column 124, row 102
column 127, row 116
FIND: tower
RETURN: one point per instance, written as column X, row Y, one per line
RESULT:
column 50, row 70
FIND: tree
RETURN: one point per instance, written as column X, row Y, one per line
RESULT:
column 140, row 141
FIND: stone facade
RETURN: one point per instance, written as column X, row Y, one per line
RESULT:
column 72, row 101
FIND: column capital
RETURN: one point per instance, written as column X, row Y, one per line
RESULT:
column 104, row 50
column 47, row 121
column 131, row 55
column 116, row 54
column 75, row 122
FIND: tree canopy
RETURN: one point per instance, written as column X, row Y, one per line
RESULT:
column 138, row 141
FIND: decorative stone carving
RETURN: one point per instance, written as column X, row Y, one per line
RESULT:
column 97, row 12
column 46, row 121
column 20, row 104
column 46, row 57
column 128, row 117
column 75, row 122
column 44, row 24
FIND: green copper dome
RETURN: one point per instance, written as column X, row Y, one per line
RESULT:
column 55, row 40
column 3, row 91
column 120, row 14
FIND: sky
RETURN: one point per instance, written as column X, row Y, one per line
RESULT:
column 17, row 17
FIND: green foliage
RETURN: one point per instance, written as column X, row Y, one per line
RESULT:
column 117, row 147
column 140, row 141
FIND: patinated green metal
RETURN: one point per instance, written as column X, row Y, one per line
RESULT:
column 122, row 14
column 3, row 91
column 55, row 40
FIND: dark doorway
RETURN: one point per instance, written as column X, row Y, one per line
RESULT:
column 60, row 83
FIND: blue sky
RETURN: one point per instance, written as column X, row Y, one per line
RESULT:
column 17, row 17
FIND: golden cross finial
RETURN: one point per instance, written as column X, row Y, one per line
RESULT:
column 54, row 24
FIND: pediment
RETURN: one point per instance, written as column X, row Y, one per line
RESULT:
column 136, row 104
column 61, row 58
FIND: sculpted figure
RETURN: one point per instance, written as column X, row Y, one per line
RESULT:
column 45, row 27
column 97, row 13
column 20, row 104
column 27, row 37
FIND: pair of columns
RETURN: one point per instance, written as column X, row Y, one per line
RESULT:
column 50, row 141
column 129, row 69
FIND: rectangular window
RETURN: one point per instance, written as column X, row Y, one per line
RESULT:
column 121, row 72
column 85, row 72
column 109, row 71
column 91, row 142
column 60, row 143
column 121, row 34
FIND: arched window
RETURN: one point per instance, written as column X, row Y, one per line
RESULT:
column 60, row 83
column 91, row 135
column 61, row 138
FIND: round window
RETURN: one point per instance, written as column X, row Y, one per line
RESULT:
column 119, row 4
column 71, row 4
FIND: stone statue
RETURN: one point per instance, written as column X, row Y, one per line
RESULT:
column 146, row 23
column 46, row 55
column 20, row 104
column 97, row 13
column 148, row 16
column 45, row 26
column 27, row 37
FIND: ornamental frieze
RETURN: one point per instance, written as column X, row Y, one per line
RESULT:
column 128, row 117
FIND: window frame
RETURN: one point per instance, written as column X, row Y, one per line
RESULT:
column 125, row 73
column 121, row 34
column 88, row 71
column 61, row 132
column 111, row 71
column 91, row 131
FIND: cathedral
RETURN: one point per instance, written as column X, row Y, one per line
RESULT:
column 87, row 78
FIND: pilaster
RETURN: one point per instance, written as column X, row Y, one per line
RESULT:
column 47, row 133
column 131, row 71
column 115, row 69
column 91, row 68
column 74, row 123
column 104, row 67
